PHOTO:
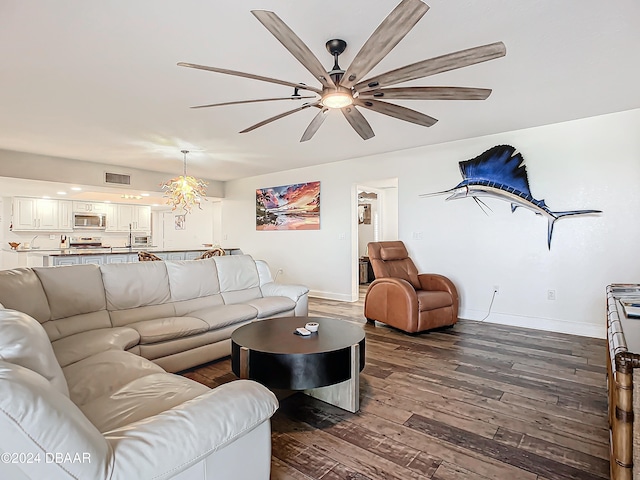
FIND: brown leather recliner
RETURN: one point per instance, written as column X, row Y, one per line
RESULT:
column 403, row 298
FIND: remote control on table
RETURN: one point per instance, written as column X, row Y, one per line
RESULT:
column 302, row 331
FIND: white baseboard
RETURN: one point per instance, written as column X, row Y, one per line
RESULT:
column 537, row 323
column 330, row 296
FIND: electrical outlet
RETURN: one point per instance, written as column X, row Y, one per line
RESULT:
column 496, row 289
column 418, row 235
column 551, row 294
column 52, row 237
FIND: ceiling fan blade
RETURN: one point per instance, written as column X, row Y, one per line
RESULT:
column 431, row 66
column 279, row 116
column 429, row 93
column 299, row 97
column 301, row 86
column 314, row 125
column 358, row 122
column 294, row 44
column 388, row 34
column 402, row 113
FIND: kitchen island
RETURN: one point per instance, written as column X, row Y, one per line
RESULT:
column 78, row 256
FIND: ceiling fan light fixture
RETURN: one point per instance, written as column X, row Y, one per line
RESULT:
column 185, row 191
column 338, row 99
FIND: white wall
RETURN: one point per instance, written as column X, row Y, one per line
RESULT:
column 198, row 228
column 588, row 163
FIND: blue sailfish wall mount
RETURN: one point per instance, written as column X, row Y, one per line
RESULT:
column 500, row 173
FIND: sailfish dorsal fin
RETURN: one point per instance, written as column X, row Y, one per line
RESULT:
column 500, row 165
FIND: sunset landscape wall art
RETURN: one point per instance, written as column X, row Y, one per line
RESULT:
column 288, row 207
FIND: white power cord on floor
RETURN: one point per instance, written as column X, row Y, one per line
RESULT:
column 490, row 305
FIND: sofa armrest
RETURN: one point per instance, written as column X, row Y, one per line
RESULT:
column 163, row 445
column 294, row 292
column 297, row 293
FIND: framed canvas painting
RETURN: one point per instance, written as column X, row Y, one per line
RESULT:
column 288, row 207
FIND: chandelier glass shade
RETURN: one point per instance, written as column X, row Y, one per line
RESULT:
column 185, row 191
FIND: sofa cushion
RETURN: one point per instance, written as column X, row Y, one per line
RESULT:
column 72, row 290
column 136, row 284
column 120, row 318
column 237, row 272
column 20, row 289
column 192, row 279
column 168, row 352
column 57, row 329
column 242, row 296
column 223, row 315
column 185, row 307
column 76, row 347
column 430, row 300
column 24, row 342
column 104, row 373
column 37, row 418
column 270, row 306
column 141, row 398
column 163, row 329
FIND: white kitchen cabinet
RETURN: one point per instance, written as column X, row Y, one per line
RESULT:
column 38, row 214
column 24, row 213
column 118, row 258
column 136, row 216
column 65, row 215
column 92, row 259
column 112, row 217
column 95, row 207
column 142, row 218
column 125, row 218
column 64, row 260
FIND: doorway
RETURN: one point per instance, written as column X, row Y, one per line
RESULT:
column 376, row 219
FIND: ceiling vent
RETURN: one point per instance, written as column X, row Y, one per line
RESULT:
column 117, row 178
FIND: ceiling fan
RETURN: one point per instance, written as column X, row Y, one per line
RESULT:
column 346, row 90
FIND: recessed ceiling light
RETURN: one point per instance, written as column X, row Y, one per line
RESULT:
column 77, row 189
column 61, row 193
column 145, row 194
column 45, row 196
column 107, row 201
column 155, row 204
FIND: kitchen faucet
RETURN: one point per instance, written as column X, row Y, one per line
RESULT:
column 32, row 240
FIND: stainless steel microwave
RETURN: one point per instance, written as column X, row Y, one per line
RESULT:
column 141, row 240
column 89, row 221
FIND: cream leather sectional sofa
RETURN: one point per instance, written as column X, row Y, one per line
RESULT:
column 83, row 354
column 177, row 314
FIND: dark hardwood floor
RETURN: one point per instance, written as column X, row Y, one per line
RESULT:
column 475, row 401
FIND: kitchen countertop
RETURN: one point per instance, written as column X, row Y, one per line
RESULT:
column 60, row 252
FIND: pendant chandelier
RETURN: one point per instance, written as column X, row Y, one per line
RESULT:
column 185, row 191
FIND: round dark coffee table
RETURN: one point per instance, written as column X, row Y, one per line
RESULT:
column 325, row 365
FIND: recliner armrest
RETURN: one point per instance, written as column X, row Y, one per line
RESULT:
column 435, row 282
column 392, row 301
column 163, row 445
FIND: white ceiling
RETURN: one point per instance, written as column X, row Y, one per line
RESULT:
column 98, row 81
